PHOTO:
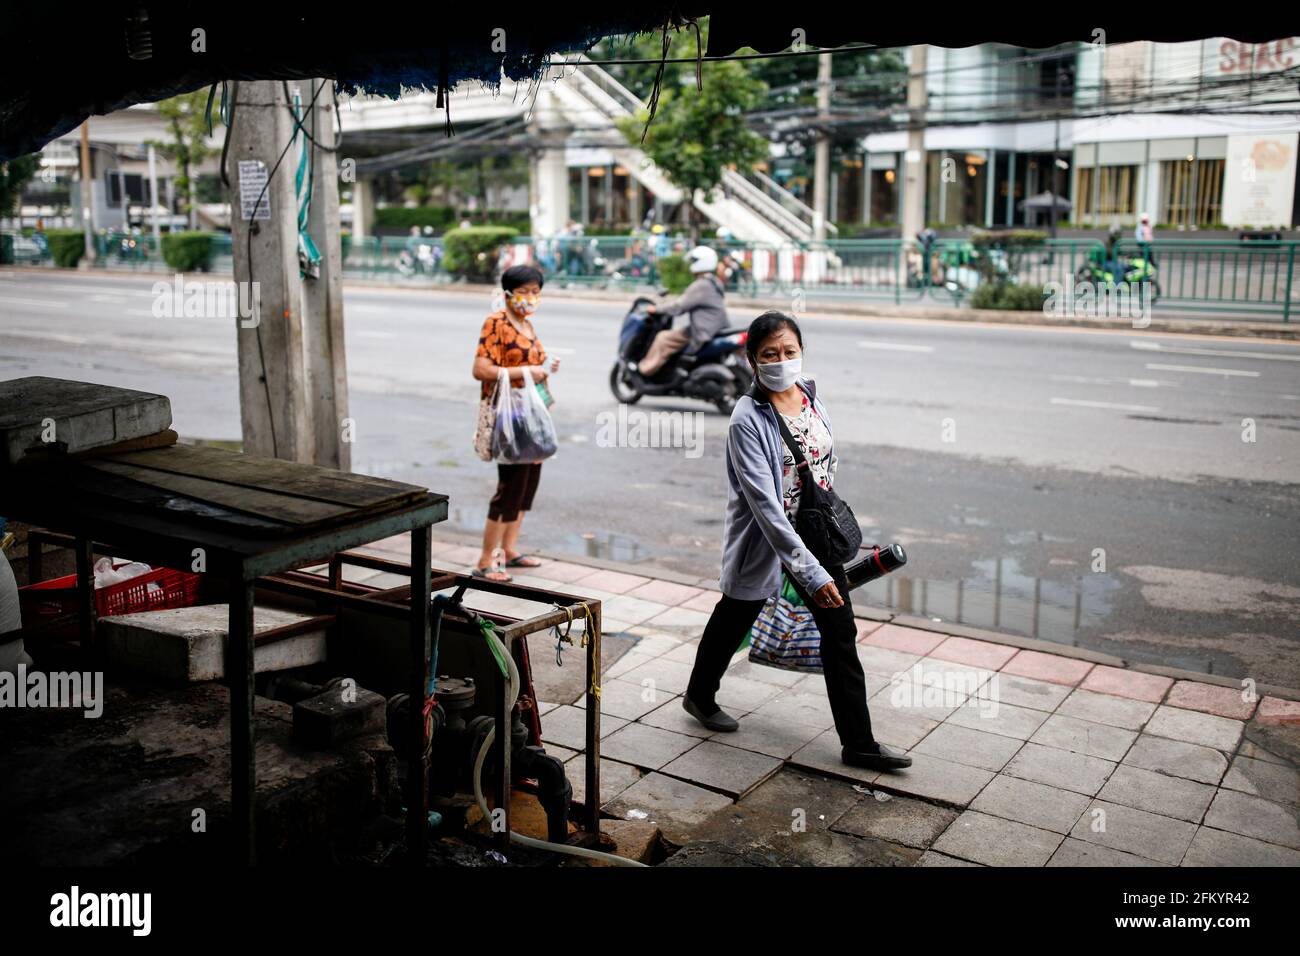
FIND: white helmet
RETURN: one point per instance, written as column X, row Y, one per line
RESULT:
column 702, row 259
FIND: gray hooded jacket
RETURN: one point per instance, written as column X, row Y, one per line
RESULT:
column 703, row 299
column 757, row 537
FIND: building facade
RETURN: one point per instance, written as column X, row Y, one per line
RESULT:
column 1197, row 135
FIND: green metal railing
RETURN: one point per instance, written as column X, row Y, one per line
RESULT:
column 1253, row 279
column 1250, row 277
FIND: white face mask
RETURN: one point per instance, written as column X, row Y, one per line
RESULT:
column 778, row 376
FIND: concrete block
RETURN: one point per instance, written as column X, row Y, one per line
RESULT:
column 85, row 415
column 324, row 720
column 189, row 643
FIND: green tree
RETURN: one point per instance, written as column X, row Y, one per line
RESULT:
column 188, row 146
column 484, row 177
column 640, row 77
column 14, row 177
column 696, row 134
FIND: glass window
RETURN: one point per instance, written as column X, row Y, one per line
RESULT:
column 1191, row 193
column 957, row 188
column 1108, row 192
column 884, row 196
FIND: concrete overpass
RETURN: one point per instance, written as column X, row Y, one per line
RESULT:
column 571, row 107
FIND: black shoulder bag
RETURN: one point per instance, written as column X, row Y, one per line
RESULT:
column 824, row 521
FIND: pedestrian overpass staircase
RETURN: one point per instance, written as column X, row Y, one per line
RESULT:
column 754, row 207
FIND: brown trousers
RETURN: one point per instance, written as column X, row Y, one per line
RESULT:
column 666, row 344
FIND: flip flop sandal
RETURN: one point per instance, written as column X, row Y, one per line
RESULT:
column 484, row 572
column 523, row 561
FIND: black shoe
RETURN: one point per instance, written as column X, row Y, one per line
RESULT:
column 887, row 758
column 718, row 720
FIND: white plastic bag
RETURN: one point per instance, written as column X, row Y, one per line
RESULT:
column 106, row 573
column 523, row 431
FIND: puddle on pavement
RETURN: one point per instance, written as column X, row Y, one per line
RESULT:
column 609, row 545
column 1000, row 597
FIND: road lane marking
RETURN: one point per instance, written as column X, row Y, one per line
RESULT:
column 45, row 303
column 43, row 336
column 1150, row 409
column 893, row 346
column 1230, row 353
column 1135, row 382
column 1204, row 369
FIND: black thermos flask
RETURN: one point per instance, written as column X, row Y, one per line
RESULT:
column 876, row 563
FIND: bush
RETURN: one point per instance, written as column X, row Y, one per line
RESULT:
column 400, row 219
column 187, row 251
column 67, row 246
column 674, row 273
column 472, row 253
column 1012, row 296
column 1004, row 238
column 403, row 218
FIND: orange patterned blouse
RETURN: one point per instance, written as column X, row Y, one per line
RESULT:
column 506, row 346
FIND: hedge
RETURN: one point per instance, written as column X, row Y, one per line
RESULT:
column 1012, row 296
column 472, row 253
column 443, row 218
column 187, row 251
column 67, row 246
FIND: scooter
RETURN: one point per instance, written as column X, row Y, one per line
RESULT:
column 718, row 372
column 1135, row 271
column 424, row 261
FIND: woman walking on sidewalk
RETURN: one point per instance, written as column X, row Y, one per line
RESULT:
column 508, row 340
column 759, row 540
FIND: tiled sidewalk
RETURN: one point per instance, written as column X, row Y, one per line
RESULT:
column 1020, row 757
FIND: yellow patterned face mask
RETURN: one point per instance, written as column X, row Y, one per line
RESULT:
column 522, row 304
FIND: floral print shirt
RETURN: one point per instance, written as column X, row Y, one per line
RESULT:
column 502, row 342
column 814, row 440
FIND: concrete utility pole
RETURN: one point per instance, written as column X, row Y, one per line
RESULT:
column 292, row 371
column 548, row 175
column 822, row 155
column 914, row 160
column 87, row 199
column 153, row 199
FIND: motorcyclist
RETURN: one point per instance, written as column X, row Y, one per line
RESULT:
column 703, row 299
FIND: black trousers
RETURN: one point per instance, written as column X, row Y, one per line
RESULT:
column 516, row 486
column 846, row 685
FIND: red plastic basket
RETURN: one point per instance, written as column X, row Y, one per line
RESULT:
column 52, row 605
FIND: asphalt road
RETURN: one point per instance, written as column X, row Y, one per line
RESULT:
column 1010, row 461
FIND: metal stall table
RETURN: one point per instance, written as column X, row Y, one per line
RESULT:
column 336, row 592
column 235, row 517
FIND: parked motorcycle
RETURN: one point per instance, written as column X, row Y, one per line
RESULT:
column 718, row 372
column 738, row 277
column 424, row 260
column 1133, row 271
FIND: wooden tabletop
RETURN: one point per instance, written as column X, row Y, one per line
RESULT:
column 227, row 492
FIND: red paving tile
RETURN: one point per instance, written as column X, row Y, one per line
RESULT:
column 1134, row 685
column 910, row 640
column 1211, row 699
column 1048, row 667
column 964, row 650
column 1275, row 710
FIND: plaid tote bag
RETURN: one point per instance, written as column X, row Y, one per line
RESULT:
column 785, row 634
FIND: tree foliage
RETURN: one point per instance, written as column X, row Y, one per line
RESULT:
column 188, row 125
column 14, row 177
column 696, row 134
